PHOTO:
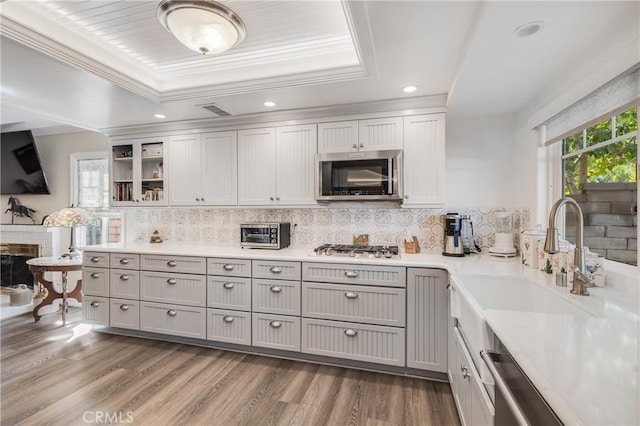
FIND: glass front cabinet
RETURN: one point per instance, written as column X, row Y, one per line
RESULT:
column 138, row 173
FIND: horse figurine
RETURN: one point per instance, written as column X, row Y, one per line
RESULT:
column 18, row 209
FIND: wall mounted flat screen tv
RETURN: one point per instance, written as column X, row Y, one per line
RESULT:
column 21, row 169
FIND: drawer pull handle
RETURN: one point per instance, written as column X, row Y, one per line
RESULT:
column 228, row 286
column 124, row 277
column 275, row 289
column 172, row 313
column 227, row 319
column 275, row 269
column 172, row 281
column 95, row 259
column 351, row 332
column 350, row 295
column 95, row 305
column 124, row 307
column 124, row 261
column 228, row 267
column 351, row 274
column 172, row 263
column 95, row 275
column 275, row 324
column 465, row 373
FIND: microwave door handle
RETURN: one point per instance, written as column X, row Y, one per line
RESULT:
column 390, row 180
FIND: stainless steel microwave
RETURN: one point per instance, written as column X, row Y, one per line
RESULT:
column 359, row 176
column 265, row 235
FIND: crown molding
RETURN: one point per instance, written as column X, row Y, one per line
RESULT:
column 378, row 109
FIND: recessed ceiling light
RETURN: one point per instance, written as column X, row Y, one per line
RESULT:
column 410, row 89
column 159, row 115
column 269, row 103
column 528, row 29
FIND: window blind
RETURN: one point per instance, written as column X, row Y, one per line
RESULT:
column 614, row 97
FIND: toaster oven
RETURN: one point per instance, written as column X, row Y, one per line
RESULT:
column 265, row 235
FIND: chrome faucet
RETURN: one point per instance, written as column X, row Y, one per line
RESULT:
column 551, row 245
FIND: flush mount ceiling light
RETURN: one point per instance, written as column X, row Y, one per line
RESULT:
column 204, row 26
column 528, row 29
column 269, row 103
column 410, row 89
column 159, row 116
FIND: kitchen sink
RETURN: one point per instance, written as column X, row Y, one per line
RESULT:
column 471, row 296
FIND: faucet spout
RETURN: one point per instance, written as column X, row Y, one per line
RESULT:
column 551, row 244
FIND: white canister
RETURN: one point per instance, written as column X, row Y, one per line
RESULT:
column 20, row 295
column 529, row 246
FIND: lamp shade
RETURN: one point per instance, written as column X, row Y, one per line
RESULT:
column 204, row 26
column 70, row 217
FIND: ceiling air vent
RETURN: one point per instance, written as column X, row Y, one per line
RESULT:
column 216, row 110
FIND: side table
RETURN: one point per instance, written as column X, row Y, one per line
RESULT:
column 39, row 265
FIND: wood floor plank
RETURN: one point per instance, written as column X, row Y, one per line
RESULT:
column 53, row 375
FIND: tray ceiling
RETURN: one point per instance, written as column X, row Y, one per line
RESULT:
column 284, row 38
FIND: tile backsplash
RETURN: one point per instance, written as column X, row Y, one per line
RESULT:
column 319, row 225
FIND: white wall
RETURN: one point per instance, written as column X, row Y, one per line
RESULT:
column 483, row 169
column 55, row 153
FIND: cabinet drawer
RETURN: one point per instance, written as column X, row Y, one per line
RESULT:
column 392, row 276
column 183, row 264
column 125, row 314
column 229, row 326
column 368, row 304
column 125, row 261
column 95, row 259
column 276, row 297
column 95, row 310
column 181, row 289
column 176, row 320
column 229, row 293
column 229, row 267
column 276, row 270
column 276, row 331
column 125, row 284
column 371, row 343
column 95, row 282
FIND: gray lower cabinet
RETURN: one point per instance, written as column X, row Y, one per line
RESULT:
column 367, row 304
column 169, row 263
column 95, row 310
column 177, row 320
column 360, row 342
column 276, row 270
column 182, row 289
column 125, row 313
column 229, row 326
column 124, row 284
column 427, row 319
column 95, row 281
column 276, row 331
column 229, row 267
column 391, row 276
column 276, row 296
column 229, row 293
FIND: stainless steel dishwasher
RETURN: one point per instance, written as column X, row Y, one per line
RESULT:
column 517, row 401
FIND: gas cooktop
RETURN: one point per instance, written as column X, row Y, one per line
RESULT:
column 386, row 252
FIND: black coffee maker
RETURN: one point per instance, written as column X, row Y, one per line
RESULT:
column 452, row 235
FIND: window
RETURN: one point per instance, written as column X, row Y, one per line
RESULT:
column 90, row 190
column 599, row 169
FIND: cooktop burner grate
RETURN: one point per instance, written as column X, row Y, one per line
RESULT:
column 389, row 252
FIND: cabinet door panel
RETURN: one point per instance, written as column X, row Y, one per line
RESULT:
column 296, row 148
column 380, row 133
column 257, row 167
column 427, row 319
column 185, row 165
column 219, row 169
column 424, row 159
column 340, row 136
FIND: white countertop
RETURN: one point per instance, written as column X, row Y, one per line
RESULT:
column 586, row 368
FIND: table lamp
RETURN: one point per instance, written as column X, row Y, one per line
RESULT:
column 70, row 217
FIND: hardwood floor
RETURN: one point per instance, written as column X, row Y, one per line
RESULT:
column 54, row 375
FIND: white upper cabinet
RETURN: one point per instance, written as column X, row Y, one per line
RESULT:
column 203, row 169
column 380, row 133
column 257, row 167
column 137, row 173
column 276, row 165
column 424, row 160
column 339, row 136
column 363, row 135
column 296, row 148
